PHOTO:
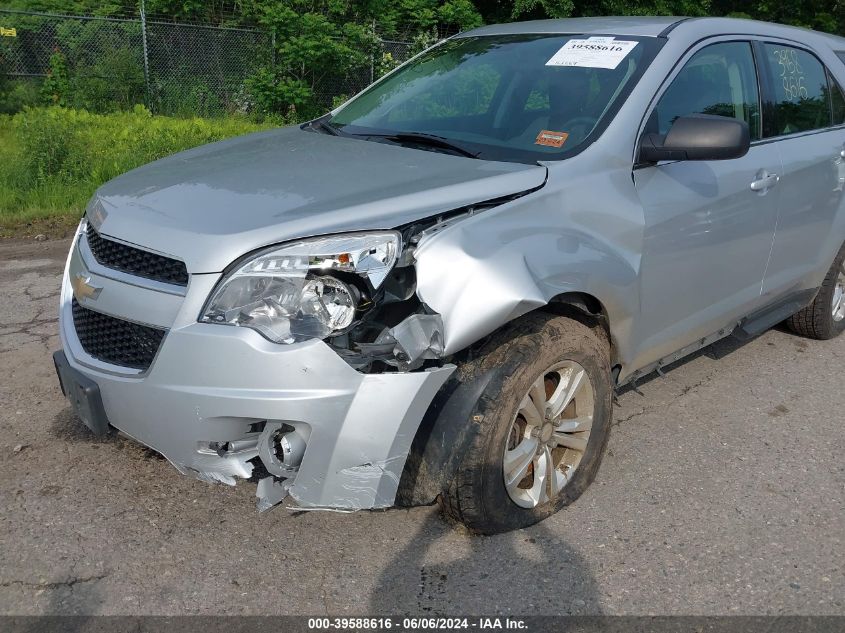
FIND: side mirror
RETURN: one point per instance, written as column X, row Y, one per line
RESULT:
column 698, row 137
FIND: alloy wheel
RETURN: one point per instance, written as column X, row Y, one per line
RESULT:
column 838, row 303
column 549, row 434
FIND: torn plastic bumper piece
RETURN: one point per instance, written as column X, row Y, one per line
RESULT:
column 416, row 339
column 271, row 492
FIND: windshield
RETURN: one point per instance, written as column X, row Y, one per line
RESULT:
column 516, row 98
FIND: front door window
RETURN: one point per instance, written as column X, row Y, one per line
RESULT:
column 720, row 80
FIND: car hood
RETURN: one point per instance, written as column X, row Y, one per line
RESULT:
column 210, row 205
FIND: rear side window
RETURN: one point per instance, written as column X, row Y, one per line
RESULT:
column 719, row 79
column 802, row 100
column 837, row 100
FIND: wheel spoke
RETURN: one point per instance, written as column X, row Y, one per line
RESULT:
column 565, row 392
column 551, row 474
column 838, row 308
column 529, row 412
column 570, row 441
column 574, row 425
column 537, row 492
column 518, row 460
column 538, row 396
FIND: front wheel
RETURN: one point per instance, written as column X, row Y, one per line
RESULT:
column 542, row 424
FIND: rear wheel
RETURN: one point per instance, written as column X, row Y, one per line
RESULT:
column 824, row 318
column 542, row 424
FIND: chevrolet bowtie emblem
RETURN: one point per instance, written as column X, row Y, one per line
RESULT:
column 82, row 288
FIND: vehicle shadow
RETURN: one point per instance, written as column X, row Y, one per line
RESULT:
column 66, row 426
column 526, row 572
column 71, row 607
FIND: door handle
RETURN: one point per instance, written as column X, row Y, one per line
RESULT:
column 765, row 181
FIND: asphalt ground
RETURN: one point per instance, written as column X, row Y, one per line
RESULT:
column 722, row 492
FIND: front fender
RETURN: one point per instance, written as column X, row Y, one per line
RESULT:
column 492, row 267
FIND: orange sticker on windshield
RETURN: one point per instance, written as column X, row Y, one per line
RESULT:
column 552, row 139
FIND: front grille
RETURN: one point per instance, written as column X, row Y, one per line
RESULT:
column 136, row 261
column 116, row 341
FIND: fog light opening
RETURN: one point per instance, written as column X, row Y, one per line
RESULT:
column 281, row 448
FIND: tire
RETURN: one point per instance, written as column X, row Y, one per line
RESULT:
column 517, row 357
column 818, row 320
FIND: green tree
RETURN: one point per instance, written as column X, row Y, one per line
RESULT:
column 313, row 54
column 323, row 48
column 824, row 15
column 56, row 87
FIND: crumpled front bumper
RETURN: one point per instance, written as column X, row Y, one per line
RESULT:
column 213, row 386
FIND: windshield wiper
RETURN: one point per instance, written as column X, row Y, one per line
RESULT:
column 420, row 138
column 324, row 126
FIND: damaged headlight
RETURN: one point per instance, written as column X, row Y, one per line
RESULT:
column 303, row 290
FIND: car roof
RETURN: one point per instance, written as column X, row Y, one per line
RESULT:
column 646, row 26
column 654, row 26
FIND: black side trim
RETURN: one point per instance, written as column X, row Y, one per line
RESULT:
column 665, row 32
column 757, row 323
column 767, row 91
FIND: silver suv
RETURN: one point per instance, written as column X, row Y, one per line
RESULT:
column 433, row 291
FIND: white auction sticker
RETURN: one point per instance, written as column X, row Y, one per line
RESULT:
column 595, row 52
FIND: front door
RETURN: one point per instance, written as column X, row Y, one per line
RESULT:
column 709, row 225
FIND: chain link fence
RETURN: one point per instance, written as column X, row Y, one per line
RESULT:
column 195, row 68
column 174, row 68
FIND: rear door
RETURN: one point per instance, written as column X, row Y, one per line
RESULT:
column 708, row 224
column 808, row 131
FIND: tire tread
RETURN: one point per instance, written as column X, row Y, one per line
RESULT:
column 460, row 500
column 816, row 321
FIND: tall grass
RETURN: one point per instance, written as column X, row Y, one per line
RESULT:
column 52, row 159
